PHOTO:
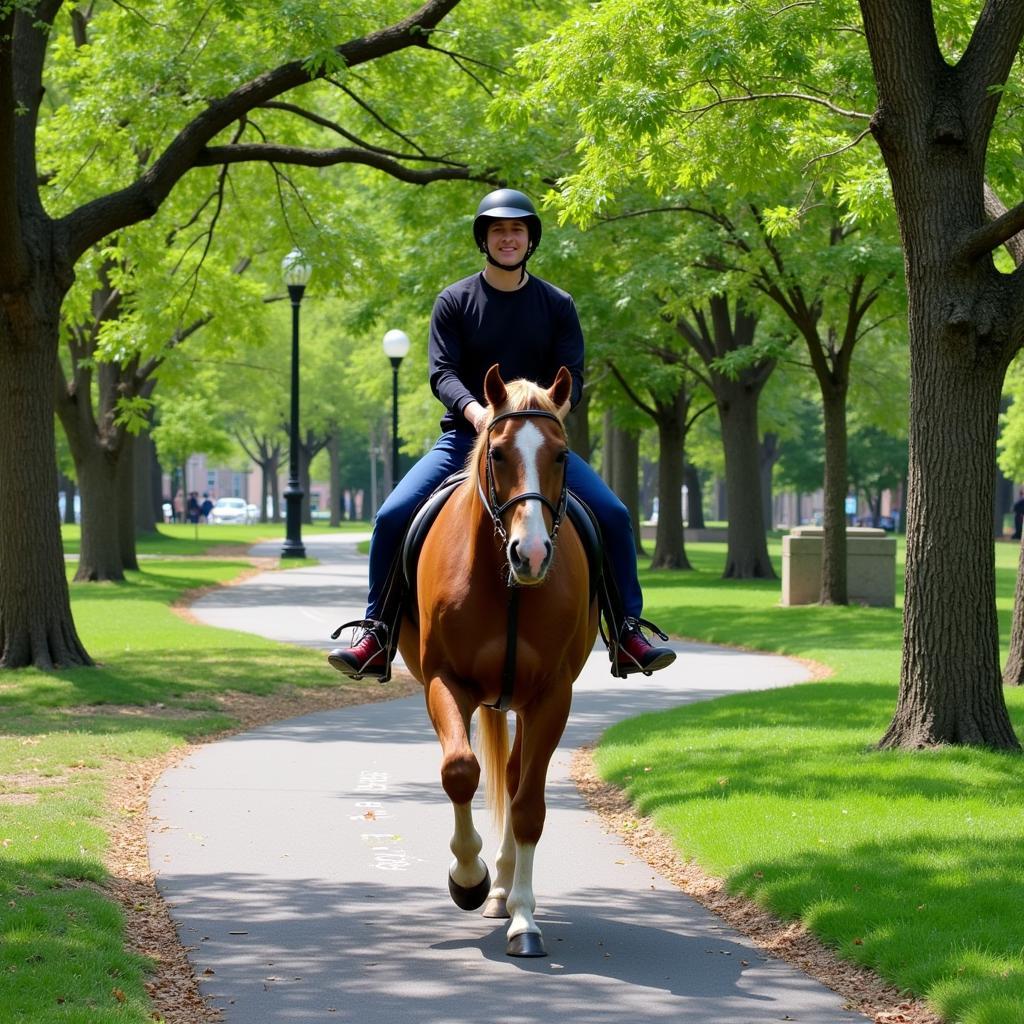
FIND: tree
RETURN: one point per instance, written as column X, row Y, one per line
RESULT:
column 934, row 124
column 39, row 249
column 672, row 395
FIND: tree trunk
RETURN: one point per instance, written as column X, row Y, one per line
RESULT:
column 96, row 454
column 1003, row 492
column 747, row 554
column 769, row 454
column 577, row 427
column 965, row 321
column 694, row 497
column 36, row 627
column 100, row 555
column 70, row 489
column 1013, row 672
column 950, row 679
column 608, row 429
column 669, row 546
column 333, row 452
column 274, row 472
column 147, row 498
column 625, row 479
column 126, row 501
column 833, row 548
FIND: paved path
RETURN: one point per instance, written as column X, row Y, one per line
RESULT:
column 305, row 862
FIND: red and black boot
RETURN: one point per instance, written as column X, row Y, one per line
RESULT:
column 635, row 653
column 368, row 653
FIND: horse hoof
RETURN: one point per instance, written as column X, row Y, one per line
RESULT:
column 495, row 907
column 474, row 896
column 526, row 944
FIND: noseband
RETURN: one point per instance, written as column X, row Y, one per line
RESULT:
column 490, row 499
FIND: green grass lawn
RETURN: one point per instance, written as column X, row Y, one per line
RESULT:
column 912, row 864
column 62, row 736
column 177, row 539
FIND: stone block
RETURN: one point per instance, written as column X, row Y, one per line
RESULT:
column 870, row 566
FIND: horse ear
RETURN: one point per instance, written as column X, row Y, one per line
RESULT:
column 494, row 388
column 561, row 392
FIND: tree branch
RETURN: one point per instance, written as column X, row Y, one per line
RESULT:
column 754, row 97
column 323, row 122
column 267, row 153
column 637, row 400
column 1001, row 231
column 94, row 220
column 360, row 102
column 989, row 57
column 31, row 33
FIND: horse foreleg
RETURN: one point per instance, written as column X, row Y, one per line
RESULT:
column 450, row 710
column 505, row 862
column 542, row 722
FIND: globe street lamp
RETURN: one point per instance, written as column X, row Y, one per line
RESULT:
column 296, row 270
column 396, row 348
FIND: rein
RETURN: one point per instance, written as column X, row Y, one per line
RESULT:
column 496, row 511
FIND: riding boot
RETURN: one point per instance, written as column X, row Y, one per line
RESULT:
column 367, row 655
column 635, row 653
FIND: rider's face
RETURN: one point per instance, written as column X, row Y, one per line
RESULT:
column 507, row 241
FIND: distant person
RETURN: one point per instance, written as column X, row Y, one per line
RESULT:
column 204, row 509
column 1018, row 515
column 178, row 508
column 193, row 507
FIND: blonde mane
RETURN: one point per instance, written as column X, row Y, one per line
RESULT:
column 522, row 394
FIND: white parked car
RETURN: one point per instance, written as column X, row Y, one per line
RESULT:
column 231, row 510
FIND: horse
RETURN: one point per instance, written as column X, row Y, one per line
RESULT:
column 505, row 621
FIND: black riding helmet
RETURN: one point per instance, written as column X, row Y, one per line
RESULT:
column 506, row 204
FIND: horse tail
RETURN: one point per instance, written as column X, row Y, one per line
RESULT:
column 494, row 754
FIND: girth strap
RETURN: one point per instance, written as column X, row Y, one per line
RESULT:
column 508, row 673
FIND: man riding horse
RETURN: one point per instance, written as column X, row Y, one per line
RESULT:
column 530, row 328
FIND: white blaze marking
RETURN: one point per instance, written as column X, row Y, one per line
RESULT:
column 532, row 534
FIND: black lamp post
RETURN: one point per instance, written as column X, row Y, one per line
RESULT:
column 396, row 348
column 296, row 271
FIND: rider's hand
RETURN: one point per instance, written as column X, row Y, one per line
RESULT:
column 476, row 414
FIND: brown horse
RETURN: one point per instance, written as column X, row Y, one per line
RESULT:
column 505, row 622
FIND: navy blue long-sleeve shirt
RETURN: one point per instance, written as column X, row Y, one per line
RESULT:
column 529, row 333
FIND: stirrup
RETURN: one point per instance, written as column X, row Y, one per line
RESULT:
column 371, row 624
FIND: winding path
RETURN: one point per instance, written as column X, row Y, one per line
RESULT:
column 305, row 862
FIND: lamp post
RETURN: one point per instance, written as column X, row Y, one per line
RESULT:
column 396, row 348
column 296, row 270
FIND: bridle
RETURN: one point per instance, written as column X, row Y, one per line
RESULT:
column 490, row 498
column 496, row 511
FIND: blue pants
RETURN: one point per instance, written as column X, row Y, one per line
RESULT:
column 448, row 456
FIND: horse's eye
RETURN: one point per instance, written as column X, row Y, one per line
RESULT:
column 496, row 455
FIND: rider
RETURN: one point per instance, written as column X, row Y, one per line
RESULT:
column 507, row 316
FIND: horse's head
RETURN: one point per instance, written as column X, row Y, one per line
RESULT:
column 521, row 467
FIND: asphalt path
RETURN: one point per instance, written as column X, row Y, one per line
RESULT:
column 305, row 862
